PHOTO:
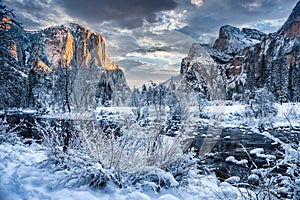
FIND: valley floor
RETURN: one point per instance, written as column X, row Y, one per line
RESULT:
column 24, row 177
column 25, row 174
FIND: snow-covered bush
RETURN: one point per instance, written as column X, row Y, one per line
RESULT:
column 278, row 175
column 262, row 107
column 67, row 155
column 57, row 136
column 94, row 155
column 8, row 133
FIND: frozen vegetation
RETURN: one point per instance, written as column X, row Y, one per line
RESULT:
column 33, row 169
column 138, row 163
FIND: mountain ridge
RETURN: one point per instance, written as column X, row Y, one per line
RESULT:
column 270, row 61
column 63, row 68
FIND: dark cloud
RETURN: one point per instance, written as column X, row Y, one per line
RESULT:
column 122, row 23
column 129, row 14
column 215, row 13
column 124, row 14
column 32, row 13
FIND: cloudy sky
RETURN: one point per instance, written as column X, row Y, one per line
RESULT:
column 148, row 38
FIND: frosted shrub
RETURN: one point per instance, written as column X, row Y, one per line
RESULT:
column 262, row 107
column 136, row 149
column 280, row 177
column 8, row 133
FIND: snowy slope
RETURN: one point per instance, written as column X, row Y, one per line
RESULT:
column 24, row 176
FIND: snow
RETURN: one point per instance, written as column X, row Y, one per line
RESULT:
column 232, row 159
column 253, row 177
column 21, row 73
column 233, row 179
column 234, row 115
column 29, row 111
column 23, row 176
column 259, row 153
column 294, row 153
column 167, row 197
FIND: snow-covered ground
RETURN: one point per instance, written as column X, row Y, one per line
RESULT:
column 288, row 114
column 234, row 115
column 24, row 176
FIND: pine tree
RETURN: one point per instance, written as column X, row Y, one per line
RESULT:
column 263, row 71
column 296, row 84
column 281, row 80
column 290, row 82
column 12, row 76
column 250, row 80
column 136, row 104
column 262, row 106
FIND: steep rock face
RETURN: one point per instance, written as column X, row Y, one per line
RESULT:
column 69, row 46
column 201, row 72
column 291, row 27
column 273, row 63
column 232, row 40
column 64, row 66
column 71, row 64
column 218, row 56
column 111, row 90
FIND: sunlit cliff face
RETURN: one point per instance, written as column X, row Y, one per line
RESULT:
column 71, row 46
column 5, row 25
column 94, row 51
column 69, row 51
column 40, row 67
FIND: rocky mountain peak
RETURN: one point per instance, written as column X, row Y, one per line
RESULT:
column 291, row 27
column 74, row 45
column 64, row 68
column 232, row 40
column 198, row 54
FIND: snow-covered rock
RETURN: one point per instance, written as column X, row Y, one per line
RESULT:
column 233, row 179
column 200, row 72
column 243, row 60
column 232, row 159
column 232, row 40
column 216, row 54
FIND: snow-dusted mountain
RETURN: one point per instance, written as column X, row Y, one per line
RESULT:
column 273, row 63
column 200, row 71
column 245, row 60
column 232, row 40
column 66, row 67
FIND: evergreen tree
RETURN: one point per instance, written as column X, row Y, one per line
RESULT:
column 290, row 82
column 263, row 72
column 12, row 76
column 262, row 107
column 250, row 80
column 296, row 83
column 280, row 73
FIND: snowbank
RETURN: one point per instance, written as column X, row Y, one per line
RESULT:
column 22, row 176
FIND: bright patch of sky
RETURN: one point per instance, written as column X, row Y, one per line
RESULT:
column 197, row 3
